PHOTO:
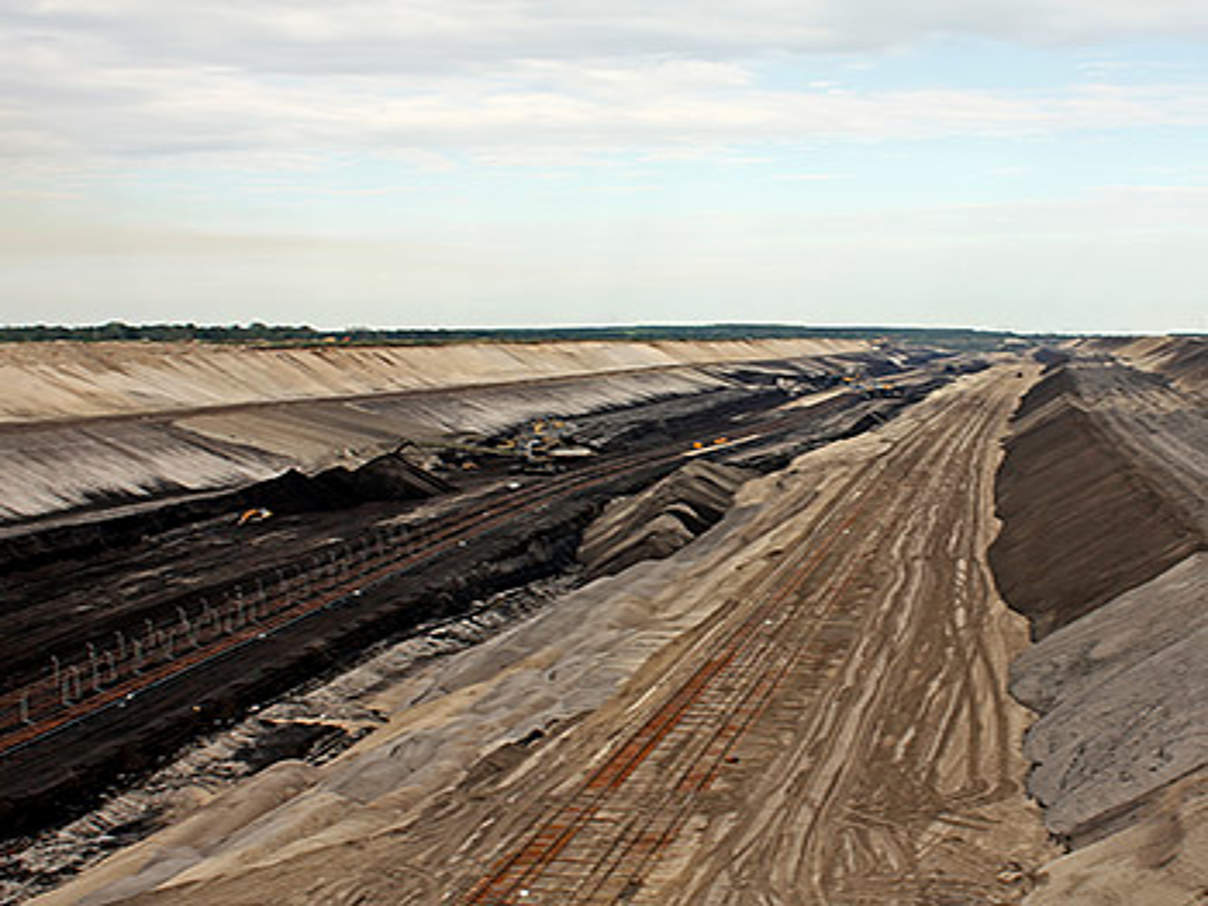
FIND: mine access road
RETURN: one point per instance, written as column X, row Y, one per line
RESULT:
column 821, row 739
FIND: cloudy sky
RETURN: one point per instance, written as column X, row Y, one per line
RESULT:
column 1028, row 164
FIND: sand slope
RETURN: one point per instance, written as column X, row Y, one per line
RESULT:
column 85, row 380
column 1102, row 489
column 1182, row 359
column 109, row 423
column 1104, row 498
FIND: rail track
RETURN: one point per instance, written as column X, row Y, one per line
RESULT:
column 112, row 672
column 601, row 842
column 158, row 653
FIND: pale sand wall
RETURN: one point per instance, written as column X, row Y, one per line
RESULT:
column 82, row 380
column 1183, row 359
column 48, row 465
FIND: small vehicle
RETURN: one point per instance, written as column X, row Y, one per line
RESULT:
column 255, row 514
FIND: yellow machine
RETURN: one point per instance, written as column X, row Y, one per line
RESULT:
column 255, row 514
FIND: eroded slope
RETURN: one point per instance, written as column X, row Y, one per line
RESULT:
column 1099, row 492
column 94, row 425
column 1104, row 496
column 661, row 519
column 89, row 380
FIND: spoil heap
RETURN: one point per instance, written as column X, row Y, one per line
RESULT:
column 1182, row 360
column 660, row 520
column 1104, row 499
column 1085, row 514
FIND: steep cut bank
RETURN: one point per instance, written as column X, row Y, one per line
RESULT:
column 1084, row 515
column 97, row 426
column 1103, row 494
column 89, row 380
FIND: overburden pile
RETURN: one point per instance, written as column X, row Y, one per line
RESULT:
column 1102, row 494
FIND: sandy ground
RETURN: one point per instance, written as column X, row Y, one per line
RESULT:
column 838, row 631
column 1182, row 359
column 87, row 380
column 1160, row 861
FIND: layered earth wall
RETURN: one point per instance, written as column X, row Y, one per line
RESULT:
column 99, row 425
column 76, row 380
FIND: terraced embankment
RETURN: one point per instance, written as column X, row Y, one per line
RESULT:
column 89, row 380
column 1104, row 497
column 83, row 425
column 806, row 704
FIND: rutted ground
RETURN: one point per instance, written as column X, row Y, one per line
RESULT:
column 883, row 763
column 882, row 771
column 890, row 778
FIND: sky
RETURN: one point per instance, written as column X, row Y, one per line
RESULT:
column 1033, row 165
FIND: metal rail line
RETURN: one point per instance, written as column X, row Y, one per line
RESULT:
column 309, row 592
column 599, row 844
column 43, row 708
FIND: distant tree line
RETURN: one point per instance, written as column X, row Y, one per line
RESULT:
column 264, row 334
column 118, row 330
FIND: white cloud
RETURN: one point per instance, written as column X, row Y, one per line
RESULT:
column 91, row 81
column 69, row 108
column 381, row 35
column 359, row 97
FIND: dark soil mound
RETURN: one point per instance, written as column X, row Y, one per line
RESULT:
column 1105, row 515
column 1051, row 358
column 1082, row 520
column 660, row 520
column 1056, row 384
column 388, row 477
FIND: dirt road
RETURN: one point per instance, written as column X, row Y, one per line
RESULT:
column 842, row 734
column 835, row 731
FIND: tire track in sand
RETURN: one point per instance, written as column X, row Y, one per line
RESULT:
column 890, row 783
column 888, row 627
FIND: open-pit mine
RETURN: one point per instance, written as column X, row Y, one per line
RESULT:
column 747, row 622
